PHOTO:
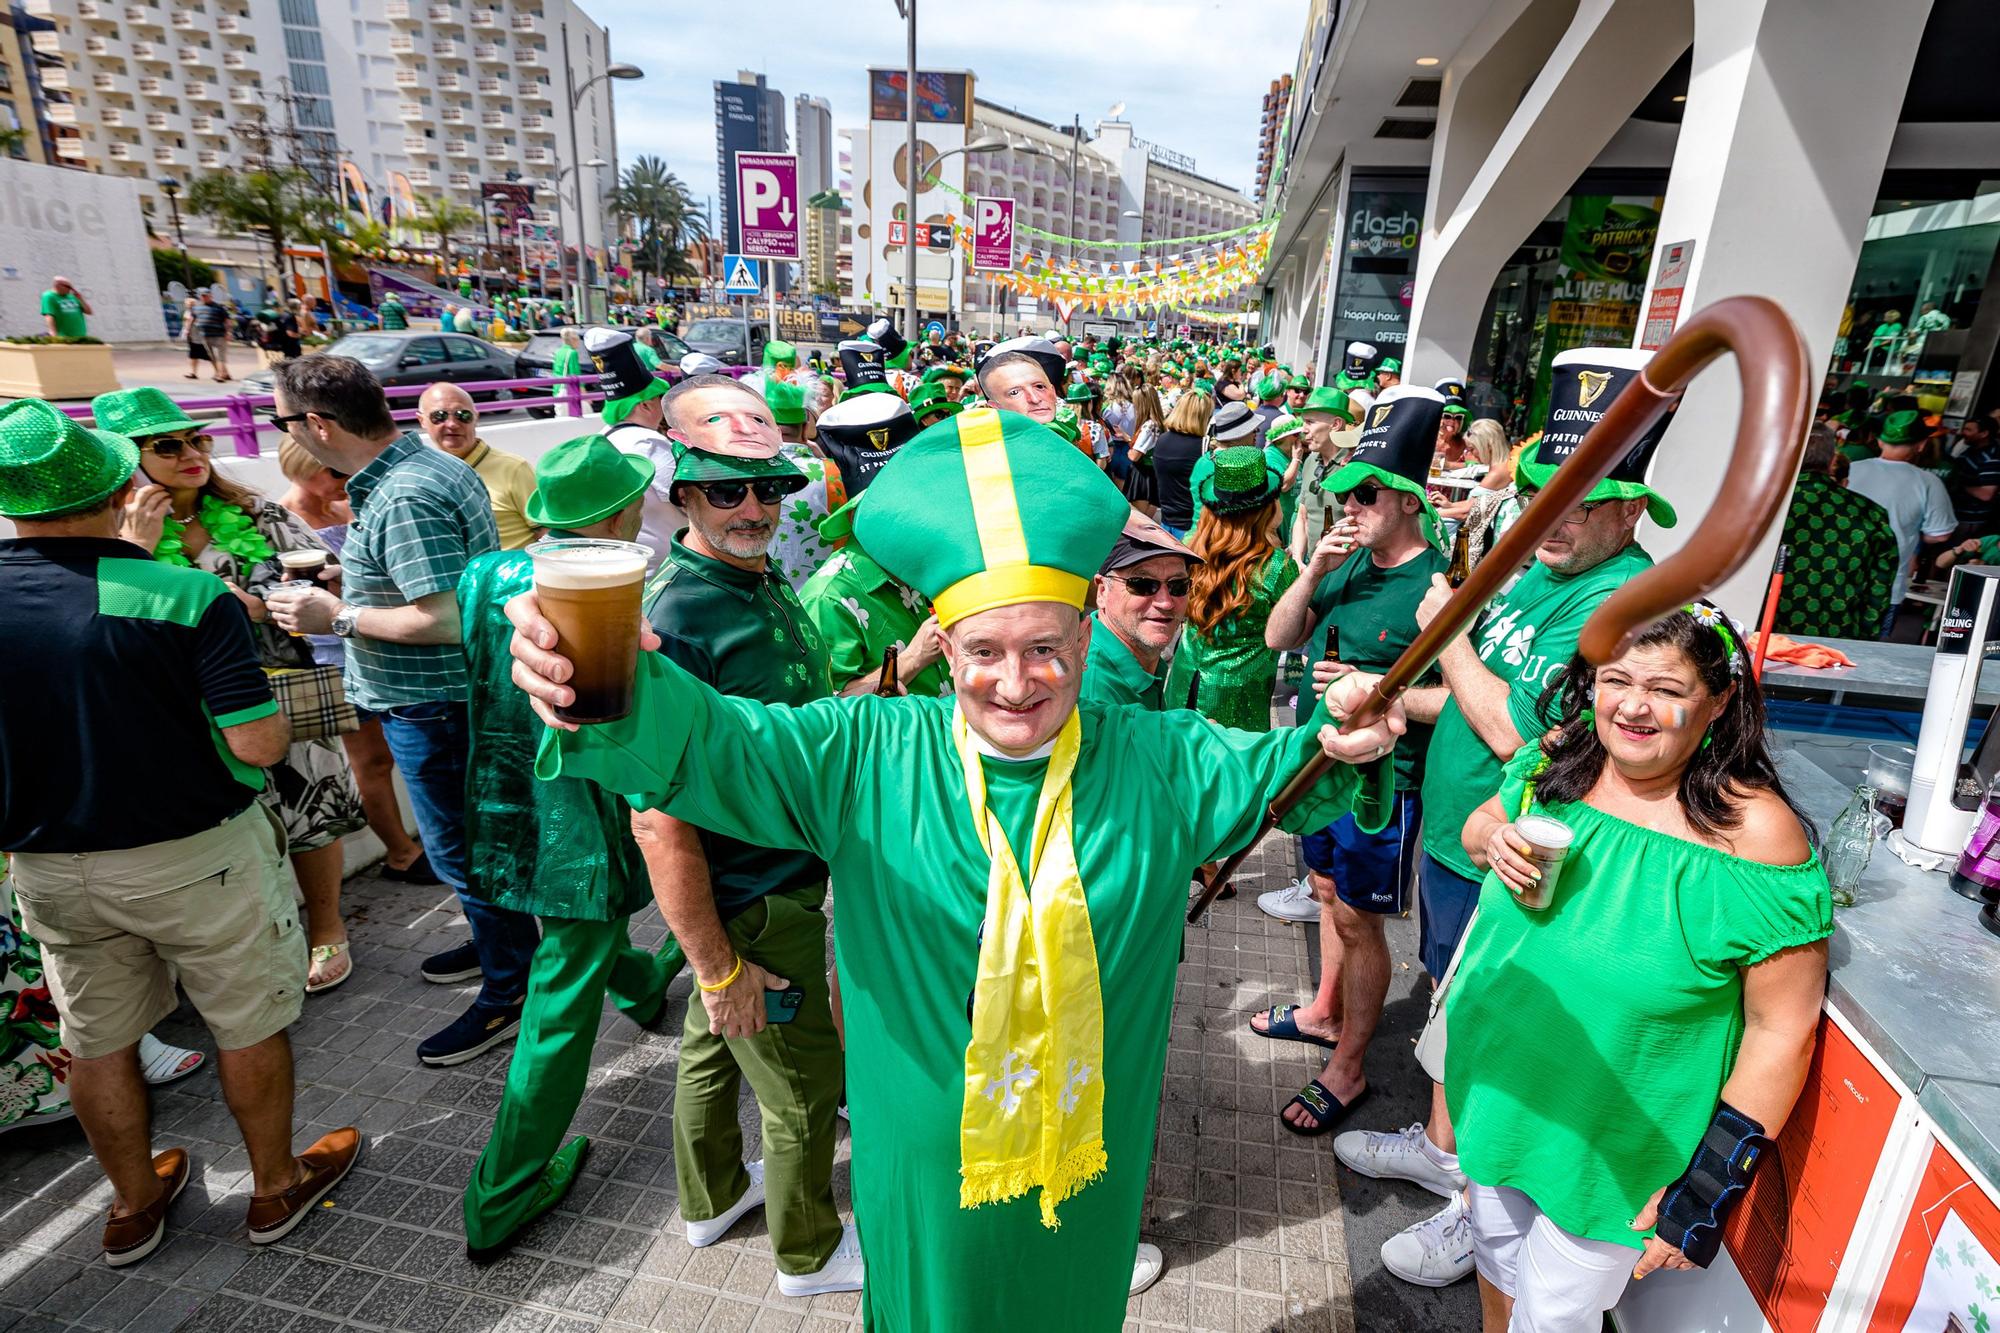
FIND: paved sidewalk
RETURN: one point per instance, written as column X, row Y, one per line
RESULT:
column 1250, row 1218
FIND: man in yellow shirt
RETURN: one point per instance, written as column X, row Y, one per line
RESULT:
column 451, row 419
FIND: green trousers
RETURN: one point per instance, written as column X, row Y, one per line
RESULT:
column 575, row 964
column 795, row 1071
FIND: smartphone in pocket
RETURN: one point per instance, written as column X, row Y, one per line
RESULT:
column 782, row 1006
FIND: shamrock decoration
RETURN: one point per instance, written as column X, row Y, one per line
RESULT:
column 1980, row 1323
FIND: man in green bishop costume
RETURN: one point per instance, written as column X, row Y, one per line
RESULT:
column 562, row 850
column 1010, row 918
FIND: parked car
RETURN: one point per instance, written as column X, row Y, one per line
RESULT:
column 723, row 340
column 413, row 356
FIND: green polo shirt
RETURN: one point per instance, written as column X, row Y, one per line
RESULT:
column 745, row 634
column 1111, row 675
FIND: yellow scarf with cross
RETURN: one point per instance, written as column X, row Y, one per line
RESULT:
column 1034, row 1087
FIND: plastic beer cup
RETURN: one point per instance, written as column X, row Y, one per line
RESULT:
column 1548, row 842
column 589, row 590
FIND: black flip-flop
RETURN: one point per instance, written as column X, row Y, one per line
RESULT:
column 1280, row 1025
column 1326, row 1108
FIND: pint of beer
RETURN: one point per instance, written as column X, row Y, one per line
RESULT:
column 304, row 563
column 589, row 590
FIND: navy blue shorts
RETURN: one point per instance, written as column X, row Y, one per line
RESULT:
column 1370, row 871
column 1448, row 901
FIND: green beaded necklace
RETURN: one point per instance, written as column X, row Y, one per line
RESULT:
column 229, row 530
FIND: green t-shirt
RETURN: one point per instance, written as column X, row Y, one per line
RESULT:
column 1527, row 635
column 393, row 316
column 1375, row 610
column 68, row 310
column 1111, row 675
column 1590, row 1040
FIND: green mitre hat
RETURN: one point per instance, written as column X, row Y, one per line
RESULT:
column 1397, row 441
column 991, row 509
column 1583, row 383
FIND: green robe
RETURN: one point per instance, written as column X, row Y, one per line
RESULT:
column 875, row 787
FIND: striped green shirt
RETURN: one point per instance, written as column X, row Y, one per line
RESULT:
column 420, row 515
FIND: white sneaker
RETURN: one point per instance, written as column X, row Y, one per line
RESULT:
column 1437, row 1251
column 1147, row 1265
column 841, row 1272
column 1295, row 902
column 1397, row 1156
column 705, row 1233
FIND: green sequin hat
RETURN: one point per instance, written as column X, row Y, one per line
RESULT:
column 991, row 509
column 1241, row 482
column 50, row 464
column 1583, row 383
column 1330, row 400
column 786, row 400
column 1903, row 428
column 585, row 481
column 1397, row 441
column 135, row 413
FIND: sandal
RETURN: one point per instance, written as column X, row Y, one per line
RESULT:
column 1280, row 1025
column 1326, row 1108
column 161, row 1064
column 326, row 953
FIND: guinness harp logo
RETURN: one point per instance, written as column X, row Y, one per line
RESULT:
column 597, row 361
column 1591, row 385
column 879, row 437
column 1380, row 415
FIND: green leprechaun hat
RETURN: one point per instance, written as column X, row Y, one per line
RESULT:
column 1584, row 382
column 991, row 509
column 1330, row 400
column 1397, row 441
column 585, row 481
column 52, row 464
column 786, row 400
column 135, row 413
column 1241, row 482
column 932, row 398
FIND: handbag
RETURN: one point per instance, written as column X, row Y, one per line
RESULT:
column 315, row 699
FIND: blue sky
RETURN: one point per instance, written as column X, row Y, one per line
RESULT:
column 1192, row 73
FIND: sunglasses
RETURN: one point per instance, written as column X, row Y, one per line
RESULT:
column 170, row 446
column 462, row 415
column 1579, row 515
column 284, row 420
column 1146, row 586
column 730, row 494
column 1364, row 495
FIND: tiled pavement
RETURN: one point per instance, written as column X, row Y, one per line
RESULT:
column 1249, row 1217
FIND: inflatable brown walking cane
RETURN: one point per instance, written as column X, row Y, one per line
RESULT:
column 1771, row 361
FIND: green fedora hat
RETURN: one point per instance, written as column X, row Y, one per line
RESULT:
column 1903, row 428
column 50, row 464
column 1330, row 400
column 991, row 509
column 1583, row 383
column 1081, row 392
column 585, row 481
column 691, row 464
column 1242, row 481
column 135, row 413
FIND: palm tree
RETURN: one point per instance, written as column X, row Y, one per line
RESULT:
column 282, row 206
column 441, row 216
column 658, row 203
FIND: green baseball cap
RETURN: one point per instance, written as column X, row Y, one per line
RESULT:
column 51, row 464
column 134, row 413
column 585, row 480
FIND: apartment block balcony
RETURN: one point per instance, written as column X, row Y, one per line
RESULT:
column 441, row 14
column 200, row 90
column 107, row 82
column 459, row 148
column 146, row 16
column 486, row 18
column 235, row 60
column 94, row 46
column 419, row 176
column 229, row 25
column 56, row 76
column 196, row 55
column 49, row 42
column 246, row 94
column 525, row 22
column 185, row 19
column 72, row 147
column 45, row 9
column 539, row 157
column 460, row 180
column 167, row 154
column 537, row 124
column 451, row 83
column 500, row 152
column 415, row 144
column 61, row 113
column 408, row 78
column 413, row 111
column 537, row 92
column 146, row 51
column 204, row 125
column 148, row 86
column 454, row 115
column 400, row 11
column 402, row 44
column 492, row 87
column 493, row 119
column 486, row 53
column 117, row 152
column 209, row 158
column 444, row 48
column 156, row 120
column 112, row 117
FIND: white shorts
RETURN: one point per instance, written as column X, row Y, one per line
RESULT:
column 1560, row 1283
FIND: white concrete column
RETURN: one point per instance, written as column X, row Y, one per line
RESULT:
column 1502, row 161
column 1790, row 112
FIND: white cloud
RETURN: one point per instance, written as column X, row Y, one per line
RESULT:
column 1191, row 73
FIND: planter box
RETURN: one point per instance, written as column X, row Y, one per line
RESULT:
column 56, row 370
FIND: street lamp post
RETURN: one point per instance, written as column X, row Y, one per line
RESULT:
column 908, row 9
column 576, row 188
column 171, row 187
column 576, row 91
column 910, row 233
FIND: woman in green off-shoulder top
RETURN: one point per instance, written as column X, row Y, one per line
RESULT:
column 1620, row 1058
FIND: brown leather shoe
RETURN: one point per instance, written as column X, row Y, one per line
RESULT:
column 324, row 1165
column 130, row 1238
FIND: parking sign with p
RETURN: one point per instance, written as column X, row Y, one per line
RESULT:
column 992, row 233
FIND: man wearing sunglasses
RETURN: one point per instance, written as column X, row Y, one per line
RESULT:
column 748, row 917
column 1142, row 602
column 1496, row 677
column 451, row 419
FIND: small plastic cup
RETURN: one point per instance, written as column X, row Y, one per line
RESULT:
column 296, row 585
column 1548, row 842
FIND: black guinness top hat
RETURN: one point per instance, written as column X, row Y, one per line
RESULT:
column 884, row 334
column 1584, row 382
column 1357, row 365
column 1398, row 437
column 861, row 366
column 861, row 434
column 620, row 372
column 1453, row 389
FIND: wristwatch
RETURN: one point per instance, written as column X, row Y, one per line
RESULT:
column 344, row 618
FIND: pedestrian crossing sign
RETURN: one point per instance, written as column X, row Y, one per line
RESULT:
column 741, row 276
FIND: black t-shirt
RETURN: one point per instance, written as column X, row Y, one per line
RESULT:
column 1174, row 458
column 117, row 674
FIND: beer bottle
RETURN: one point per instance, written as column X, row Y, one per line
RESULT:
column 1461, row 557
column 886, row 682
column 1333, row 643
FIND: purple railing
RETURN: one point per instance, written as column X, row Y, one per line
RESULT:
column 242, row 417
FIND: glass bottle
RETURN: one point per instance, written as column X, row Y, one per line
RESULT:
column 1849, row 844
column 1461, row 557
column 1977, row 874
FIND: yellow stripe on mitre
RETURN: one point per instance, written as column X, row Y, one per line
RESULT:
column 1008, row 578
